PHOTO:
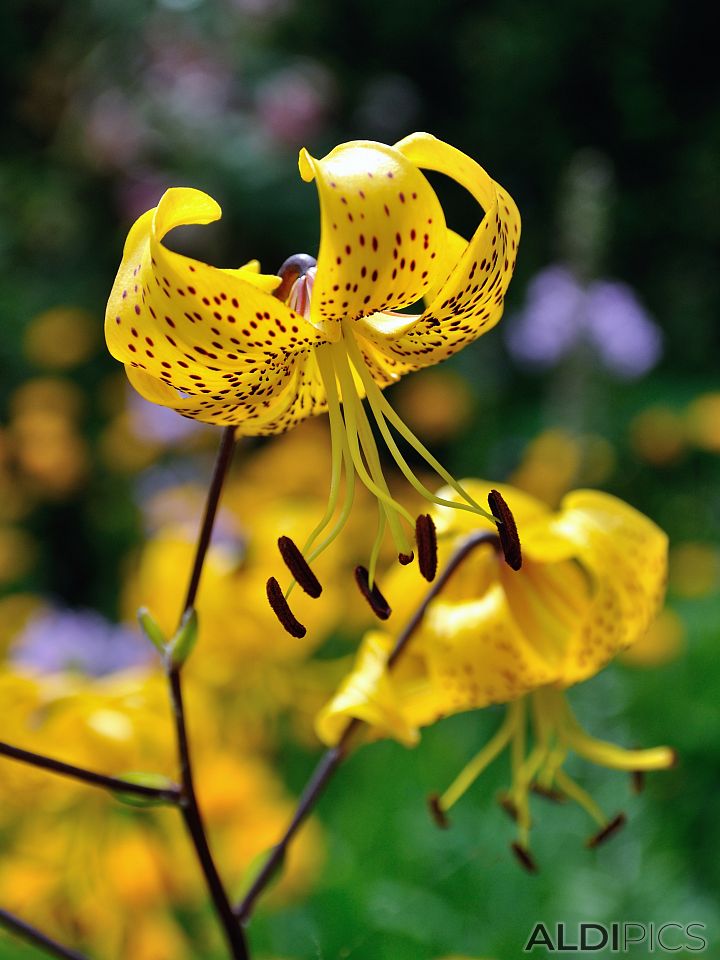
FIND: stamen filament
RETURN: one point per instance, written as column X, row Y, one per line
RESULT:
column 609, row 754
column 350, row 401
column 372, row 458
column 519, row 793
column 336, row 448
column 483, row 759
column 575, row 792
column 371, row 391
column 339, row 442
column 377, row 544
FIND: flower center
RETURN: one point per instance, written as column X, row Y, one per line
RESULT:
column 347, row 380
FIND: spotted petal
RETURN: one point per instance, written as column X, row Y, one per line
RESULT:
column 368, row 694
column 471, row 299
column 382, row 233
column 217, row 336
column 625, row 555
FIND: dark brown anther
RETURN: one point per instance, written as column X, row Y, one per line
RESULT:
column 507, row 530
column 406, row 558
column 282, row 611
column 609, row 830
column 426, row 540
column 508, row 806
column 437, row 812
column 299, row 567
column 379, row 605
column 294, row 267
column 524, row 857
column 557, row 796
column 637, row 781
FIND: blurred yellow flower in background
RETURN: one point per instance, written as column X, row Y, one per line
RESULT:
column 694, row 569
column 703, row 418
column 240, row 637
column 663, row 642
column 659, row 435
column 61, row 338
column 556, row 460
column 107, row 875
column 592, row 581
column 43, row 443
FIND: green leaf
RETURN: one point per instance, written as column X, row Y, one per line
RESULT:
column 152, row 631
column 145, row 779
column 182, row 643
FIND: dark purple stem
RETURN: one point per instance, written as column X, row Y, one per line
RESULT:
column 169, row 794
column 188, row 799
column 332, row 758
column 26, row 932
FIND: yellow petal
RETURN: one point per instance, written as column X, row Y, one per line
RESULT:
column 625, row 554
column 367, row 694
column 382, row 233
column 477, row 655
column 374, row 332
column 218, row 336
column 549, row 602
column 471, row 300
column 525, row 508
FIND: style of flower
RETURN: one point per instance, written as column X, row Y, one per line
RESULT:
column 261, row 353
column 592, row 581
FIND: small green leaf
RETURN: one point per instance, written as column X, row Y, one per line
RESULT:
column 255, row 867
column 144, row 779
column 152, row 631
column 181, row 645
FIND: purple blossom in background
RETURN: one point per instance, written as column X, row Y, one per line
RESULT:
column 149, row 421
column 625, row 335
column 55, row 640
column 560, row 314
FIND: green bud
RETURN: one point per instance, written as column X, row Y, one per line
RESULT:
column 144, row 779
column 255, row 867
column 152, row 631
column 181, row 645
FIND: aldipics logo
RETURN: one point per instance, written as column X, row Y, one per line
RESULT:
column 618, row 937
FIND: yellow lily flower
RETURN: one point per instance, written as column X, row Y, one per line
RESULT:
column 592, row 580
column 261, row 353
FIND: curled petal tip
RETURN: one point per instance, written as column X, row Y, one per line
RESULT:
column 306, row 165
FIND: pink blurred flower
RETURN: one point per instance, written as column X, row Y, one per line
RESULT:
column 292, row 104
